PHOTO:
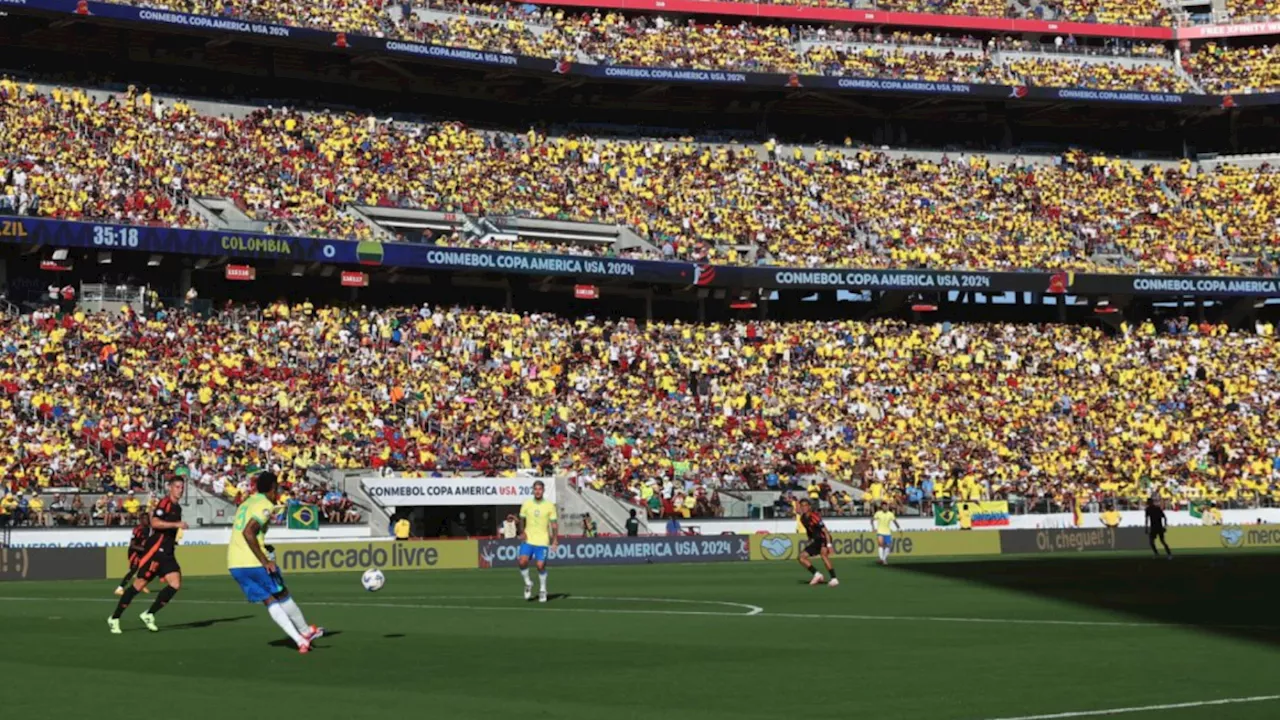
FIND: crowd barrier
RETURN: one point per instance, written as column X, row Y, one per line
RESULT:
column 48, row 564
column 349, row 556
column 206, row 560
column 863, row 544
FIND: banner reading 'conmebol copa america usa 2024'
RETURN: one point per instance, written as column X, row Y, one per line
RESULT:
column 626, row 550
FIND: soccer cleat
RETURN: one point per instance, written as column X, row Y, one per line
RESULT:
column 304, row 648
column 834, row 582
column 114, row 624
column 119, row 591
column 150, row 621
column 816, row 579
column 313, row 633
column 528, row 591
column 542, row 596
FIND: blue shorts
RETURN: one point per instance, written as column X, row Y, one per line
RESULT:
column 885, row 540
column 537, row 552
column 258, row 584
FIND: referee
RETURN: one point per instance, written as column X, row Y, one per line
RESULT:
column 1155, row 524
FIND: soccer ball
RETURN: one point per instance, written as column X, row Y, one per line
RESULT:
column 373, row 580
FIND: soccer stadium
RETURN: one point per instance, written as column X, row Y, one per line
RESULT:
column 906, row 358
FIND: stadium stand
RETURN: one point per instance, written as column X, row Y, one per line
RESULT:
column 1253, row 9
column 655, row 41
column 1057, row 72
column 137, row 159
column 989, row 410
column 1223, row 69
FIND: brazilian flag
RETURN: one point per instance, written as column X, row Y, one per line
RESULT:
column 303, row 517
column 945, row 516
column 1197, row 509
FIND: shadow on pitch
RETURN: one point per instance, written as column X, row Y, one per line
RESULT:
column 320, row 644
column 201, row 624
column 1223, row 594
column 552, row 597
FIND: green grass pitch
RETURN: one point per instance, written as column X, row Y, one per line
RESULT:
column 937, row 639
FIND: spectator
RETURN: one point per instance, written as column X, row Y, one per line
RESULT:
column 509, row 528
column 673, row 526
column 36, row 508
column 633, row 525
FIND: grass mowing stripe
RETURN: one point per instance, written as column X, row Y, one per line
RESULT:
column 1146, row 708
column 752, row 612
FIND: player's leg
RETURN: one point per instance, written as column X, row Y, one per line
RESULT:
column 281, row 617
column 831, row 570
column 886, row 546
column 133, row 570
column 1167, row 551
column 145, row 574
column 540, row 557
column 526, row 551
column 173, row 583
column 285, row 599
column 1151, row 536
column 808, row 565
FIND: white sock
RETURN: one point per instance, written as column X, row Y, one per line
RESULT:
column 295, row 614
column 542, row 580
column 884, row 554
column 282, row 619
column 524, row 573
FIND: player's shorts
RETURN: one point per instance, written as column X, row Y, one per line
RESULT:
column 1155, row 533
column 160, row 566
column 537, row 552
column 256, row 583
column 814, row 547
column 885, row 540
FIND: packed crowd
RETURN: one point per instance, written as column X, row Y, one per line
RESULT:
column 1228, row 70
column 1057, row 72
column 1256, row 9
column 605, row 37
column 370, row 16
column 969, row 67
column 134, row 159
column 1110, row 12
column 978, row 410
column 31, row 507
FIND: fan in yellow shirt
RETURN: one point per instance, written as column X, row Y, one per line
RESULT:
column 1110, row 518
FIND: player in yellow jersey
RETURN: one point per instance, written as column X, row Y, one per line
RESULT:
column 884, row 521
column 252, row 563
column 539, row 531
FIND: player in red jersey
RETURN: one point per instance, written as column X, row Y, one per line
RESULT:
column 819, row 544
column 159, row 560
column 138, row 545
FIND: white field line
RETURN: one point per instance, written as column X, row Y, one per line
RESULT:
column 750, row 611
column 1146, row 708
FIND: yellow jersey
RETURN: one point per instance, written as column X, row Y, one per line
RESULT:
column 884, row 522
column 538, row 516
column 239, row 553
